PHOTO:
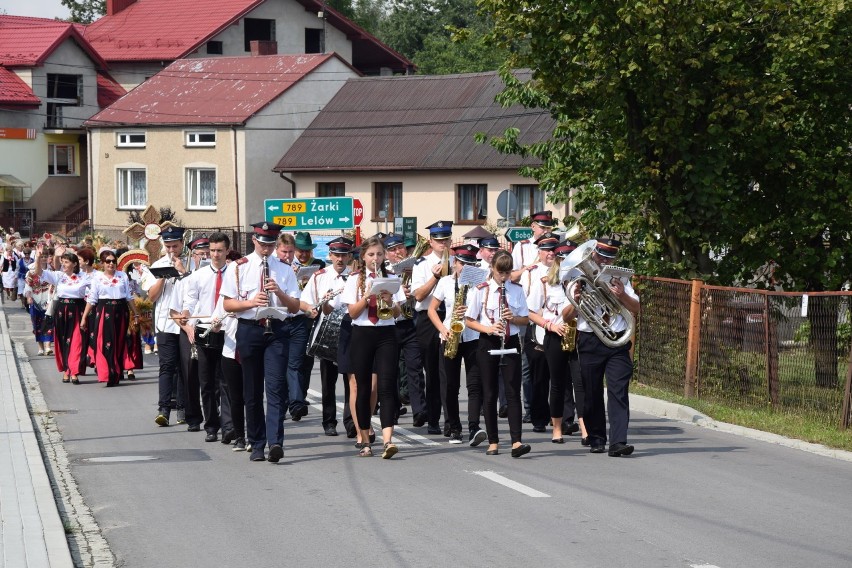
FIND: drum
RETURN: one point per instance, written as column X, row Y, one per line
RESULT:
column 537, row 336
column 214, row 339
column 325, row 335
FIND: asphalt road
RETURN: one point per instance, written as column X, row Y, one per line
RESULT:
column 688, row 497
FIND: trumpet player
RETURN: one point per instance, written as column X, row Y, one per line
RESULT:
column 597, row 359
column 497, row 309
column 424, row 277
column 546, row 303
column 321, row 285
column 250, row 283
column 447, row 292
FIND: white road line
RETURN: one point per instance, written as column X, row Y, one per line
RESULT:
column 506, row 482
column 703, row 566
column 397, row 430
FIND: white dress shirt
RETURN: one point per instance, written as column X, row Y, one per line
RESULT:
column 482, row 304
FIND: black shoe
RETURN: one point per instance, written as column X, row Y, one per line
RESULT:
column 503, row 412
column 257, row 455
column 446, row 430
column 351, row 431
column 239, row 445
column 193, row 428
column 228, row 437
column 434, row 430
column 597, row 448
column 585, row 441
column 299, row 412
column 570, row 428
column 162, row 418
column 402, row 411
column 493, row 452
column 477, row 438
column 419, row 419
column 539, row 429
column 276, row 452
column 521, row 450
column 330, row 430
column 620, row 449
column 559, row 440
column 527, row 418
column 455, row 437
column 372, row 437
column 211, row 437
column 404, row 399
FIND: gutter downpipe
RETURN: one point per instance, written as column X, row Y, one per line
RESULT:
column 236, row 175
column 292, row 185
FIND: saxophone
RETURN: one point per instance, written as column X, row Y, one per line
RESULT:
column 451, row 349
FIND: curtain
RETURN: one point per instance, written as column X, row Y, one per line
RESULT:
column 208, row 188
column 137, row 196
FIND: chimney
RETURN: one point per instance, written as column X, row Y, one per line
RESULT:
column 113, row 7
column 263, row 47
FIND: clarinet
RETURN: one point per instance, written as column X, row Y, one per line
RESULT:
column 501, row 305
column 265, row 267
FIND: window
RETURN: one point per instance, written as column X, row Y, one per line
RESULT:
column 130, row 140
column 132, row 188
column 60, row 160
column 67, row 89
column 314, row 41
column 471, row 203
column 201, row 188
column 387, row 201
column 214, row 48
column 207, row 139
column 331, row 189
column 530, row 200
column 257, row 29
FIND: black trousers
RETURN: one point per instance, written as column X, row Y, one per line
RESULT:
column 430, row 345
column 328, row 378
column 213, row 391
column 565, row 384
column 192, row 390
column 411, row 381
column 451, row 383
column 489, row 369
column 170, row 371
column 539, row 381
column 596, row 361
column 376, row 350
column 307, row 366
column 232, row 372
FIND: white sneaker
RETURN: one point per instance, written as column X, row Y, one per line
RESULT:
column 41, row 351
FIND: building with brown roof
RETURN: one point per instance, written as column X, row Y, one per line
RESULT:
column 203, row 135
column 51, row 80
column 405, row 147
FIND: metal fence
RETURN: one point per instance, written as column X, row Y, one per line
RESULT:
column 747, row 348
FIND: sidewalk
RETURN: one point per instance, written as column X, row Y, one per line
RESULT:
column 31, row 531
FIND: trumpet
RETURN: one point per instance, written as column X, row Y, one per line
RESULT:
column 451, row 349
column 265, row 272
column 384, row 309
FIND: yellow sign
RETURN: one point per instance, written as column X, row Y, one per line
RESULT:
column 285, row 221
column 297, row 207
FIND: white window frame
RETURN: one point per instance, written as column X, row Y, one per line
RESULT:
column 191, row 139
column 122, row 179
column 122, row 139
column 51, row 151
column 188, row 189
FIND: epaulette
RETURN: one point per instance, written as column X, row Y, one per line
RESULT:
column 242, row 260
column 524, row 242
column 533, row 267
column 320, row 271
column 481, row 285
column 514, row 284
column 419, row 260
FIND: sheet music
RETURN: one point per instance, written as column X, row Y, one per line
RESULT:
column 610, row 272
column 385, row 285
column 270, row 312
column 305, row 272
column 403, row 265
column 473, row 276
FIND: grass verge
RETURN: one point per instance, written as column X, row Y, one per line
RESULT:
column 766, row 419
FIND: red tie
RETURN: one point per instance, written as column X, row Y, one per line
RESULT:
column 372, row 307
column 218, row 287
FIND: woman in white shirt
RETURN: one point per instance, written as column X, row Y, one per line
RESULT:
column 377, row 349
column 38, row 297
column 109, row 296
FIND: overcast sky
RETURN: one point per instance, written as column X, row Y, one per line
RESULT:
column 41, row 8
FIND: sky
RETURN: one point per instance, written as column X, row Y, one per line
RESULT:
column 41, row 8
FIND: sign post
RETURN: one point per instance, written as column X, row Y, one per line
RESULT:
column 406, row 226
column 311, row 213
column 517, row 234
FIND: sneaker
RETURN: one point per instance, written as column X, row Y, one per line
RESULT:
column 181, row 416
column 40, row 352
column 477, row 438
column 148, row 350
column 239, row 445
column 276, row 452
column 257, row 455
column 162, row 419
column 455, row 437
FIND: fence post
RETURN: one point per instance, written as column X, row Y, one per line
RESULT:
column 693, row 342
column 771, row 354
column 847, row 395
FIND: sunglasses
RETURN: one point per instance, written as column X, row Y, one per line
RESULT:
column 109, row 261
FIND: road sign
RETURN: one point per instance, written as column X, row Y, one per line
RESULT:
column 406, row 226
column 516, row 234
column 359, row 211
column 311, row 213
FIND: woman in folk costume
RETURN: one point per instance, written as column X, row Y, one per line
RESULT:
column 38, row 295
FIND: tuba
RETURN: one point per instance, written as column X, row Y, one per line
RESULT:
column 419, row 249
column 597, row 304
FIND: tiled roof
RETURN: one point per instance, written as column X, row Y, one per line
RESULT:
column 108, row 90
column 13, row 91
column 218, row 90
column 414, row 123
column 27, row 42
column 165, row 30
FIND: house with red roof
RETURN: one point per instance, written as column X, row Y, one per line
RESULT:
column 51, row 80
column 203, row 135
column 139, row 38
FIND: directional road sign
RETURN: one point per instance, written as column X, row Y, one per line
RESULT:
column 516, row 234
column 311, row 213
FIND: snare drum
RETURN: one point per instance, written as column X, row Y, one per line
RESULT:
column 325, row 335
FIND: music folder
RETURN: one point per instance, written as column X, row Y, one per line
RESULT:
column 271, row 312
column 165, row 272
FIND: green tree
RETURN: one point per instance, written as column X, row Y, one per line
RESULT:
column 85, row 11
column 714, row 134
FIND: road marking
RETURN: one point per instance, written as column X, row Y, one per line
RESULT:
column 397, row 430
column 703, row 566
column 506, row 482
column 113, row 459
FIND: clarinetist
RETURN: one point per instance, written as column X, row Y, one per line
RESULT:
column 263, row 356
column 496, row 309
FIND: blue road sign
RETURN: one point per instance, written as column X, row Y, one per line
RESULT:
column 516, row 234
column 311, row 213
